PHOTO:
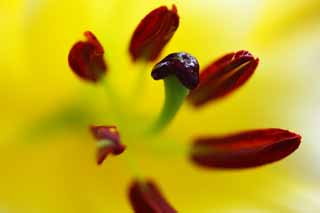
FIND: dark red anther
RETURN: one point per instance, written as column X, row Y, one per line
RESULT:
column 183, row 65
column 145, row 197
column 153, row 33
column 245, row 149
column 86, row 59
column 108, row 141
column 223, row 76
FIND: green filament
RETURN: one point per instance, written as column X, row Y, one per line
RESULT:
column 175, row 94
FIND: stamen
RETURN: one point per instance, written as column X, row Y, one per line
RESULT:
column 145, row 197
column 86, row 59
column 223, row 77
column 245, row 149
column 153, row 32
column 108, row 142
column 180, row 72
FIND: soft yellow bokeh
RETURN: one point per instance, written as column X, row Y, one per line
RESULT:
column 47, row 155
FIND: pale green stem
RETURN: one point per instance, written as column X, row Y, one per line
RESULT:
column 116, row 105
column 142, row 73
column 175, row 94
column 133, row 166
column 139, row 84
column 170, row 148
column 113, row 98
column 130, row 161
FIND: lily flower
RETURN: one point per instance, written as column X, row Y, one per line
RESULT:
column 180, row 73
column 99, row 103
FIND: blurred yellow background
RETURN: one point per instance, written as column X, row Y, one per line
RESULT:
column 47, row 155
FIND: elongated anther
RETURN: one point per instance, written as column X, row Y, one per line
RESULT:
column 223, row 76
column 108, row 141
column 86, row 59
column 245, row 149
column 180, row 72
column 145, row 197
column 153, row 32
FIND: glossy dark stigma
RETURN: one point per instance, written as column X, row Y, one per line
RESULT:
column 183, row 65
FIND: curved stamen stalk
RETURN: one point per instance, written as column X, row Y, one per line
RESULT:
column 175, row 94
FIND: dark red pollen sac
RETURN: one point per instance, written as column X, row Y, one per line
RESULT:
column 245, row 149
column 108, row 142
column 183, row 65
column 145, row 197
column 86, row 59
column 223, row 76
column 153, row 32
